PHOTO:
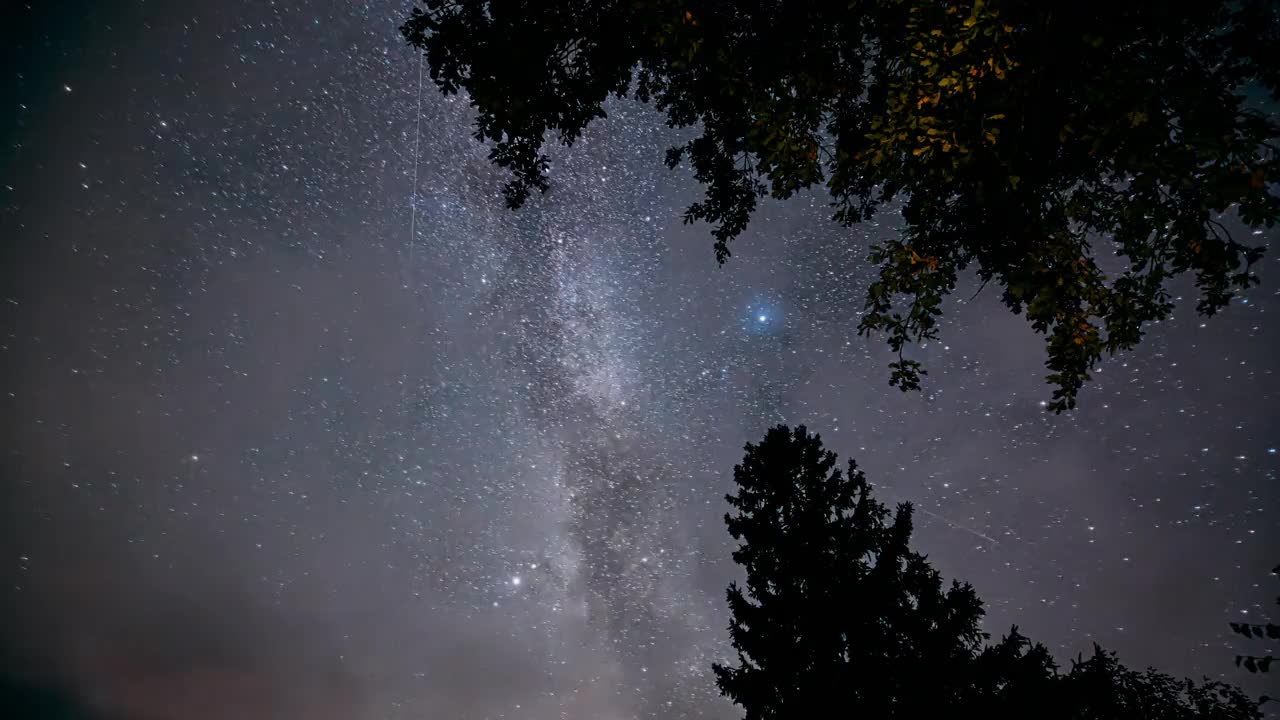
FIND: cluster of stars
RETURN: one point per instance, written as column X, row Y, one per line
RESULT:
column 416, row 414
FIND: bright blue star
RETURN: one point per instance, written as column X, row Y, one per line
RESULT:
column 764, row 316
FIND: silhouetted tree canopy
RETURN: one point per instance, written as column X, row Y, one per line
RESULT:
column 832, row 590
column 1012, row 135
column 837, row 611
column 1270, row 631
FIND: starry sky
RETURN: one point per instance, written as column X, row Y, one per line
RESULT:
column 300, row 421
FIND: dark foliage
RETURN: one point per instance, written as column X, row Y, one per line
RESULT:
column 1015, row 135
column 837, row 611
column 1270, row 631
column 1101, row 687
column 832, row 591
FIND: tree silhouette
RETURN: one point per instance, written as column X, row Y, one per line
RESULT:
column 1011, row 135
column 837, row 611
column 1271, row 631
column 1102, row 688
column 832, row 591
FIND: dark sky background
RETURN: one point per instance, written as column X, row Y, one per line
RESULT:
column 277, row 446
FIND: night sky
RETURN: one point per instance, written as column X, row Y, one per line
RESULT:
column 286, row 435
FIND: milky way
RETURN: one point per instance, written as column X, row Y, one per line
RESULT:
column 289, row 435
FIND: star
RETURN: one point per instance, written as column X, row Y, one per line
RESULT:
column 324, row 344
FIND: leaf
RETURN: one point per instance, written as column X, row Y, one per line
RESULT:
column 1202, row 165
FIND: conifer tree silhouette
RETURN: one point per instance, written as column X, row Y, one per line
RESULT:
column 833, row 592
column 838, row 613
